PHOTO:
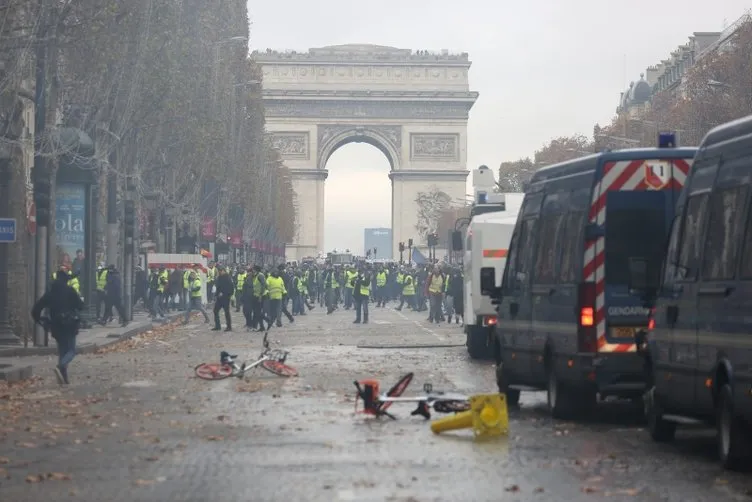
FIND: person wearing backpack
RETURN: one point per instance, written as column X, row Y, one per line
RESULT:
column 63, row 305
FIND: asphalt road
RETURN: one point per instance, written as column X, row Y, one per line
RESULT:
column 136, row 425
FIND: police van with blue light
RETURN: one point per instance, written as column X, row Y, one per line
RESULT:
column 567, row 321
column 699, row 350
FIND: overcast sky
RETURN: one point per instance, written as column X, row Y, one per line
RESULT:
column 544, row 68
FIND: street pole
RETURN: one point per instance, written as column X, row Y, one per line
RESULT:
column 130, row 223
column 41, row 173
column 7, row 336
column 112, row 216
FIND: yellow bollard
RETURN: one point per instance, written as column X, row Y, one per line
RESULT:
column 487, row 417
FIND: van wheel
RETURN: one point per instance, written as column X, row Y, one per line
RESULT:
column 733, row 442
column 477, row 343
column 661, row 431
column 559, row 400
column 512, row 395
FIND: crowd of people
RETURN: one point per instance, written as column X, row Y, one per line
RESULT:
column 264, row 295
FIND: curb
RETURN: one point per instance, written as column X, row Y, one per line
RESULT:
column 424, row 346
column 18, row 372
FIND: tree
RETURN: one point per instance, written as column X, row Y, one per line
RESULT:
column 431, row 205
column 514, row 175
column 715, row 90
column 562, row 149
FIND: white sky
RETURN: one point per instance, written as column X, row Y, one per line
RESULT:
column 544, row 68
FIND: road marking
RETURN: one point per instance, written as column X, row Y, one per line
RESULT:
column 419, row 325
column 382, row 322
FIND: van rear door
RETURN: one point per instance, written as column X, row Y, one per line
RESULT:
column 633, row 203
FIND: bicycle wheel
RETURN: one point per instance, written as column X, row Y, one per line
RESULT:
column 450, row 406
column 213, row 371
column 397, row 390
column 279, row 369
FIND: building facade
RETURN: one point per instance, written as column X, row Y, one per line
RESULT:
column 668, row 75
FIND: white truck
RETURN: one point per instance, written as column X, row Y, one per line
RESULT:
column 486, row 245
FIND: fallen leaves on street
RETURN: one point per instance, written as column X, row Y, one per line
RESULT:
column 153, row 335
column 50, row 476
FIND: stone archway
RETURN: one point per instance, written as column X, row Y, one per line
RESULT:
column 412, row 106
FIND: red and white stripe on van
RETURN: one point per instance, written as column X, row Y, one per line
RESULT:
column 627, row 175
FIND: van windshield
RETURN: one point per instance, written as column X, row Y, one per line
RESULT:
column 637, row 223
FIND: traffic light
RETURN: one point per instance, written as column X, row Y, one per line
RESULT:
column 129, row 218
column 401, row 247
column 410, row 242
column 433, row 240
column 374, row 251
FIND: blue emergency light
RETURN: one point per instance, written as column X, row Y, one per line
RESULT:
column 667, row 140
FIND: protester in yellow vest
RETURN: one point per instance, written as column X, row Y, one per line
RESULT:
column 362, row 295
column 72, row 282
column 257, row 302
column 239, row 283
column 408, row 292
column 435, row 284
column 276, row 287
column 195, row 300
column 350, row 276
column 381, row 278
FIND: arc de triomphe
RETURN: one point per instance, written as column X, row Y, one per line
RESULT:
column 413, row 106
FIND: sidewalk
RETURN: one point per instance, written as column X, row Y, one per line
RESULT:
column 17, row 363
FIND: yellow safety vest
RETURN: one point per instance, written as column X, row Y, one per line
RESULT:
column 258, row 288
column 164, row 279
column 381, row 279
column 211, row 274
column 276, row 288
column 186, row 281
column 196, row 284
column 72, row 282
column 241, row 280
column 400, row 278
column 409, row 288
column 102, row 279
column 350, row 276
column 365, row 288
column 301, row 285
column 437, row 284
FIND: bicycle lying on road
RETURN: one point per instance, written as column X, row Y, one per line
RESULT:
column 272, row 360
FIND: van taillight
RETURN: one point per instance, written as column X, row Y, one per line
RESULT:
column 587, row 316
column 651, row 321
column 586, row 328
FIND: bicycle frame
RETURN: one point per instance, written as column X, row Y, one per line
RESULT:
column 268, row 354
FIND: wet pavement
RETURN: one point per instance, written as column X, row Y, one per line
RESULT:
column 136, row 425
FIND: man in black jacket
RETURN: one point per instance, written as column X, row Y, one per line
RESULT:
column 225, row 289
column 63, row 305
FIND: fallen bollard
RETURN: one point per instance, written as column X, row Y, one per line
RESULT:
column 487, row 417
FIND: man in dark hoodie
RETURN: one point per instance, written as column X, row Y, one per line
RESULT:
column 225, row 289
column 63, row 305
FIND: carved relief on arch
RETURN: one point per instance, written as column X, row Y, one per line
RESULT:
column 387, row 138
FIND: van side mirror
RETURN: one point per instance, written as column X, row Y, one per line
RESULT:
column 593, row 231
column 456, row 240
column 488, row 282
